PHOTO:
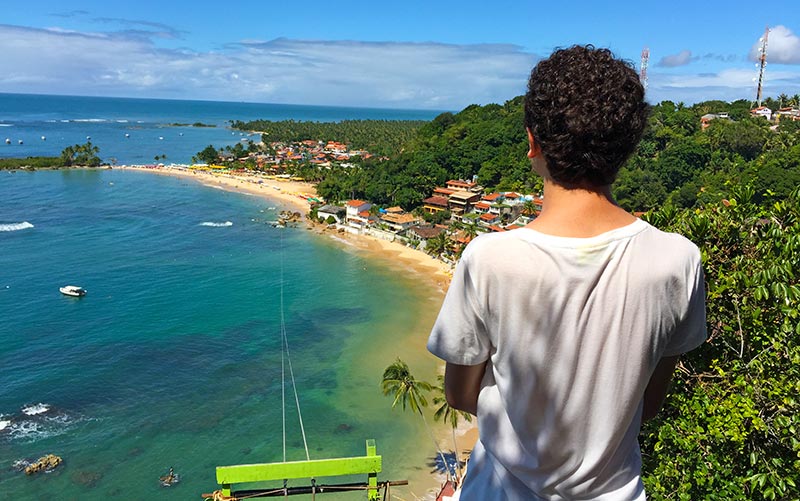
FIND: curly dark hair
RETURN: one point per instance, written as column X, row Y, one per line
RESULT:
column 586, row 110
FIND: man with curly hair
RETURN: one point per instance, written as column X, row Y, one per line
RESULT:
column 563, row 336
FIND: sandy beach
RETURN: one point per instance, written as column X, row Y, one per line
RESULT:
column 293, row 196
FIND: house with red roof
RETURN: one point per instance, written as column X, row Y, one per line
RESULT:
column 357, row 216
column 762, row 111
column 461, row 185
column 489, row 219
column 482, row 207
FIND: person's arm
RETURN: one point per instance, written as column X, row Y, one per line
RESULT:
column 462, row 384
column 658, row 386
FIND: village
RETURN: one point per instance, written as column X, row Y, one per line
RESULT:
column 448, row 219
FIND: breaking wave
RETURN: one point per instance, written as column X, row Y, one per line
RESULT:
column 216, row 225
column 15, row 226
column 35, row 409
column 36, row 422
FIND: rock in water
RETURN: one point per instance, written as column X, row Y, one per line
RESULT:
column 44, row 463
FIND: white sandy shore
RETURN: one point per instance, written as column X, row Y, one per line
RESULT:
column 294, row 195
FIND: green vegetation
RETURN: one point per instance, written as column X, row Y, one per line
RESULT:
column 487, row 141
column 79, row 155
column 676, row 163
column 379, row 137
column 196, row 124
column 399, row 383
column 84, row 155
column 679, row 163
column 29, row 163
column 730, row 429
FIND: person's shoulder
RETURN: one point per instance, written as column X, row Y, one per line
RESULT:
column 669, row 244
column 490, row 243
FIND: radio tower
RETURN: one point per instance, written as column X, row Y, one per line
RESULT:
column 643, row 67
column 763, row 60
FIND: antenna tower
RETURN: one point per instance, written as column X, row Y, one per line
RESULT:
column 763, row 61
column 643, row 67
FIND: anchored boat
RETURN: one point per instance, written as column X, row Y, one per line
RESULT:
column 73, row 290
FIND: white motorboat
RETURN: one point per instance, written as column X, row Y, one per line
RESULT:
column 73, row 290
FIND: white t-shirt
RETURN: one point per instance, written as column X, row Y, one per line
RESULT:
column 572, row 329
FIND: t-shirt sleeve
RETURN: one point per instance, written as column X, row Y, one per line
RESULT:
column 459, row 335
column 691, row 330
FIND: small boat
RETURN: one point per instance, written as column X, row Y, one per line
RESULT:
column 73, row 290
column 44, row 138
column 20, row 141
column 8, row 141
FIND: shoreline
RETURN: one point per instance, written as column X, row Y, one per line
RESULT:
column 394, row 255
column 296, row 194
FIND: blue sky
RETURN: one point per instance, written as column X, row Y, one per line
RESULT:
column 410, row 54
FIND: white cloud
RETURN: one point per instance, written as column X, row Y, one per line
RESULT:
column 783, row 46
column 388, row 74
column 682, row 58
column 727, row 85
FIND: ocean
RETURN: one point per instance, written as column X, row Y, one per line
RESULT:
column 48, row 124
column 173, row 357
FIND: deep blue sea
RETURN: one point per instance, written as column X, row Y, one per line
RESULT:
column 67, row 120
column 173, row 358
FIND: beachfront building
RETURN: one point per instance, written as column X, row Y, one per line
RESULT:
column 334, row 211
column 398, row 221
column 357, row 215
column 424, row 233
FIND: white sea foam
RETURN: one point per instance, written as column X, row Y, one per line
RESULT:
column 35, row 409
column 93, row 120
column 37, row 427
column 216, row 225
column 6, row 125
column 15, row 226
column 121, row 121
column 21, row 464
column 4, row 423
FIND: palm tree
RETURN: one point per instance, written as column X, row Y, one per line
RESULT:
column 437, row 245
column 450, row 415
column 529, row 208
column 398, row 381
column 470, row 231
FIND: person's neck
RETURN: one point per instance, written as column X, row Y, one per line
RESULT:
column 579, row 212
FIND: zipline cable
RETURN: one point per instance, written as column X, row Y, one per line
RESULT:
column 285, row 348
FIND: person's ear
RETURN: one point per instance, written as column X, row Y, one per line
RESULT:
column 534, row 150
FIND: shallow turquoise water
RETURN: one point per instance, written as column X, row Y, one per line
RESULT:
column 173, row 358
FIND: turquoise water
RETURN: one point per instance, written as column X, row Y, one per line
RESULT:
column 68, row 120
column 173, row 358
